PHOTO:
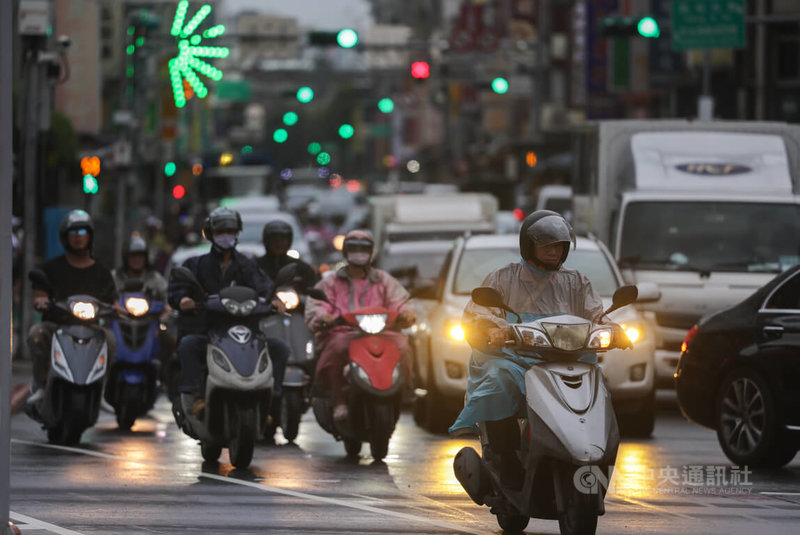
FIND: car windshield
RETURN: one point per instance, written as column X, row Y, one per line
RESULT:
column 475, row 264
column 710, row 236
column 252, row 228
column 426, row 262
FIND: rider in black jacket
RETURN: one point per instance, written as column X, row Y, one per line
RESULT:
column 219, row 268
column 277, row 237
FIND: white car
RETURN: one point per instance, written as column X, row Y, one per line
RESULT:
column 442, row 355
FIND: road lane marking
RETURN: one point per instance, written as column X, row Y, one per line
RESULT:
column 265, row 488
column 33, row 524
column 781, row 493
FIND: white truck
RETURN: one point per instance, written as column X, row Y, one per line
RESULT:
column 707, row 210
column 443, row 216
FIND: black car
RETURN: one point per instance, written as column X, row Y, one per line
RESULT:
column 739, row 374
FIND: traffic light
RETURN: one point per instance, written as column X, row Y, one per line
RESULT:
column 314, row 148
column 531, row 159
column 323, row 158
column 305, row 94
column 178, row 192
column 90, row 167
column 500, row 85
column 346, row 131
column 345, row 38
column 386, row 105
column 290, row 118
column 630, row 27
column 420, row 70
column 170, row 168
column 280, row 135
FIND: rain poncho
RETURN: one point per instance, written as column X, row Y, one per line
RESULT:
column 495, row 389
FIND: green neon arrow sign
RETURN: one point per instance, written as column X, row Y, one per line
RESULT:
column 186, row 65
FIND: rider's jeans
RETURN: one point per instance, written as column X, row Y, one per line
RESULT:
column 192, row 355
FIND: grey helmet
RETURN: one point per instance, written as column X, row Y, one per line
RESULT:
column 221, row 219
column 542, row 228
column 75, row 219
column 134, row 245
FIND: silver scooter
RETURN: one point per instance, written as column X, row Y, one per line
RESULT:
column 570, row 437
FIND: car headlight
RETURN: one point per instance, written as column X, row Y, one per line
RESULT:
column 635, row 331
column 83, row 310
column 600, row 339
column 137, row 306
column 239, row 308
column 371, row 323
column 454, row 330
column 289, row 298
column 532, row 337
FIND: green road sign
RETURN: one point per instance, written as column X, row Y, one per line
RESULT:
column 700, row 24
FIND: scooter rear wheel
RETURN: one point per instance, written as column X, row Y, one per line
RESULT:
column 352, row 447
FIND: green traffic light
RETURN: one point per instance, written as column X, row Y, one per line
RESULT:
column 170, row 168
column 347, row 38
column 323, row 158
column 305, row 94
column 386, row 105
column 648, row 27
column 90, row 185
column 500, row 85
column 346, row 131
column 290, row 118
column 247, row 149
column 314, row 148
column 280, row 135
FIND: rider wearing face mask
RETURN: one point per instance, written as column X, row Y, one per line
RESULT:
column 536, row 286
column 221, row 267
column 356, row 285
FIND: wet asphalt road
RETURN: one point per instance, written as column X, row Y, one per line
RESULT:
column 153, row 480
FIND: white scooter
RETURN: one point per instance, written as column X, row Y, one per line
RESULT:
column 570, row 437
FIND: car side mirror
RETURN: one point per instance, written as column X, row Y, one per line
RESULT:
column 425, row 292
column 648, row 292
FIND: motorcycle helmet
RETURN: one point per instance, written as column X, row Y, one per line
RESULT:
column 76, row 219
column 221, row 219
column 542, row 228
column 358, row 238
column 276, row 228
column 134, row 245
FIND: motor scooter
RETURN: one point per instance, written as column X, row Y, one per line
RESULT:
column 132, row 386
column 569, row 438
column 240, row 379
column 295, row 397
column 78, row 362
column 374, row 374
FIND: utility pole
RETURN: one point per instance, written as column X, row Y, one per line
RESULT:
column 6, row 171
column 540, row 81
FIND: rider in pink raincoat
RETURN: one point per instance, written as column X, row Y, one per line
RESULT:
column 356, row 285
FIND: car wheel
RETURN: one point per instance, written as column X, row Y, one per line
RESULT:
column 748, row 425
column 641, row 423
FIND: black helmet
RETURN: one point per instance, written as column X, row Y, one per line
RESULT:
column 274, row 228
column 542, row 228
column 74, row 220
column 358, row 237
column 220, row 219
column 134, row 245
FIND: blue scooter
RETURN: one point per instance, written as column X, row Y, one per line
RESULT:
column 132, row 386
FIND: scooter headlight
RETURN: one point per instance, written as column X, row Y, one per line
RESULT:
column 532, row 337
column 238, row 308
column 83, row 310
column 567, row 337
column 137, row 306
column 263, row 361
column 371, row 323
column 59, row 363
column 601, row 339
column 99, row 368
column 219, row 359
column 289, row 298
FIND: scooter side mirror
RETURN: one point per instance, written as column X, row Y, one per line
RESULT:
column 182, row 274
column 625, row 295
column 317, row 294
column 491, row 298
column 39, row 279
column 286, row 274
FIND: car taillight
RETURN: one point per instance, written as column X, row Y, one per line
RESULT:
column 688, row 340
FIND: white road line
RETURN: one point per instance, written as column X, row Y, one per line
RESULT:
column 32, row 524
column 266, row 488
column 780, row 493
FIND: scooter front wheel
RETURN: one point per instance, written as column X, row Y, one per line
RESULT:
column 210, row 452
column 291, row 412
column 352, row 447
column 580, row 514
column 243, row 442
column 512, row 523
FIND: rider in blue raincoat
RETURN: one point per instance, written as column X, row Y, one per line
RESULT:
column 536, row 286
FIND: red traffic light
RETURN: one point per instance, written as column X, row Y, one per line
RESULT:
column 178, row 191
column 420, row 70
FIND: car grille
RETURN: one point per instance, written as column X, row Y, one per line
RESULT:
column 677, row 321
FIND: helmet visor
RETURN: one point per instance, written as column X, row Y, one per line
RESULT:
column 549, row 230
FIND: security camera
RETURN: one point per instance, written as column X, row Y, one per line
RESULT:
column 64, row 41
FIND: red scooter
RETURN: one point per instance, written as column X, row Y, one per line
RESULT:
column 374, row 375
